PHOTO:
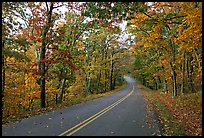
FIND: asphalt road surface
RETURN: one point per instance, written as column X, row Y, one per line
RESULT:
column 123, row 113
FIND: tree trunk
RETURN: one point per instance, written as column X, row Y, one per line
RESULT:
column 173, row 73
column 56, row 96
column 3, row 77
column 62, row 90
column 87, row 81
column 87, row 86
column 42, row 71
column 42, row 57
column 164, row 85
column 172, row 67
column 106, row 75
column 159, row 82
column 197, row 58
column 156, row 84
column 42, row 92
column 143, row 81
column 35, row 47
column 111, row 73
column 114, row 82
column 183, row 72
column 189, row 68
column 102, row 59
column 98, row 79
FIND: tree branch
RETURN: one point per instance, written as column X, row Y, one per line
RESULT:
column 58, row 6
column 147, row 15
column 47, row 6
column 175, row 17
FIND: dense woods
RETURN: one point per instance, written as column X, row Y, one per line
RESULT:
column 46, row 62
column 169, row 46
column 50, row 57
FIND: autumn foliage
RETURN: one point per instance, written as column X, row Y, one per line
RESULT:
column 48, row 61
column 169, row 46
column 53, row 57
column 186, row 110
column 168, row 58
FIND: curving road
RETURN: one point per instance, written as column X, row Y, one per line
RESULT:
column 123, row 113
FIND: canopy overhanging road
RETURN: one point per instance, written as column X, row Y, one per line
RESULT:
column 123, row 113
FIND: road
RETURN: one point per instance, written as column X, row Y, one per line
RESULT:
column 123, row 113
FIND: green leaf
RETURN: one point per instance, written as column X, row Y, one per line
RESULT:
column 15, row 54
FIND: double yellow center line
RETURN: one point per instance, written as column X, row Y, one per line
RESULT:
column 79, row 126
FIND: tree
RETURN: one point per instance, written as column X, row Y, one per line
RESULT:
column 11, row 45
column 43, row 21
column 159, row 29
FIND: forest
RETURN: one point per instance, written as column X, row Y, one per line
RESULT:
column 50, row 57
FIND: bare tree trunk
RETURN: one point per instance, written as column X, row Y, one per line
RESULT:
column 114, row 82
column 197, row 58
column 62, row 90
column 87, row 86
column 106, row 75
column 173, row 73
column 183, row 72
column 3, row 78
column 191, row 74
column 111, row 73
column 42, row 57
column 164, row 85
column 101, row 72
column 98, row 79
column 156, row 84
column 87, row 81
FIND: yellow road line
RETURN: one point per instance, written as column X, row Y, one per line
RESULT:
column 94, row 117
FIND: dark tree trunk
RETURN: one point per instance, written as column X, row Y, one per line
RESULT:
column 62, row 90
column 106, row 75
column 42, row 92
column 98, row 80
column 164, row 85
column 111, row 74
column 114, row 82
column 87, row 80
column 156, row 84
column 189, row 68
column 3, row 78
column 173, row 73
column 183, row 72
column 42, row 57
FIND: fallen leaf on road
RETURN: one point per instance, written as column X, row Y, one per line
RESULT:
column 153, row 134
column 112, row 132
column 61, row 123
